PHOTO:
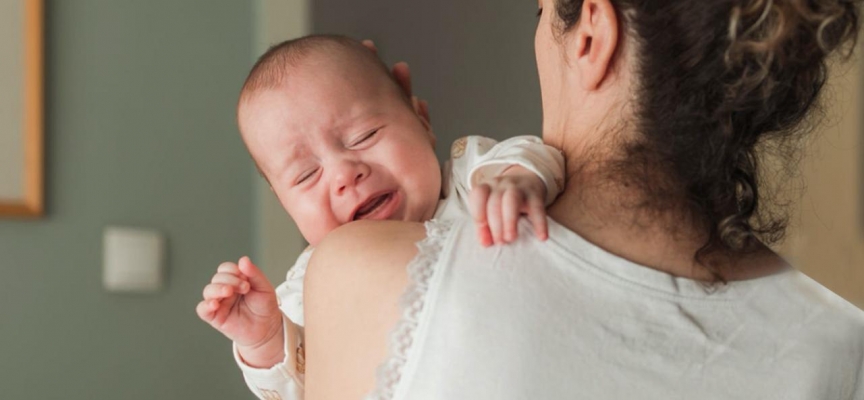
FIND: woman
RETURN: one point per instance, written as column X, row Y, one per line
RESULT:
column 656, row 281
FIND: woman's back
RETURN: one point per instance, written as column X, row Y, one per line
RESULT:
column 565, row 319
column 662, row 109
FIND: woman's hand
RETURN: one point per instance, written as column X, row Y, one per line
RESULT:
column 496, row 206
column 241, row 303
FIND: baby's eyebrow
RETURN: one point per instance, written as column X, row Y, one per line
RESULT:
column 362, row 116
column 294, row 153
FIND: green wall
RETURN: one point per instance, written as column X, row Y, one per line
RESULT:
column 140, row 132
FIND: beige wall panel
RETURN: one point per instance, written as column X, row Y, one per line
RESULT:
column 826, row 239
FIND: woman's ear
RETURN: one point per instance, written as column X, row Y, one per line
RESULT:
column 595, row 42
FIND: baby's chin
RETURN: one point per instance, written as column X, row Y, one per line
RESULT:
column 422, row 214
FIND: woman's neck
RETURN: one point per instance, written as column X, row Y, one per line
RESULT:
column 606, row 203
column 610, row 217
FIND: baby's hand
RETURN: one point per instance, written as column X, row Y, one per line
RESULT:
column 241, row 303
column 497, row 205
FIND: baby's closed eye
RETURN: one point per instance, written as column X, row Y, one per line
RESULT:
column 365, row 138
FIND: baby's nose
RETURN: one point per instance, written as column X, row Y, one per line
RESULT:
column 348, row 182
column 350, row 175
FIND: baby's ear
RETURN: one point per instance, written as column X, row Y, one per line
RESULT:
column 432, row 138
column 421, row 108
column 422, row 111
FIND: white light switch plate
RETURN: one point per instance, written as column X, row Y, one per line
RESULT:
column 132, row 260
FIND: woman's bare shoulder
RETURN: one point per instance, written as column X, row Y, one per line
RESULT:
column 351, row 298
column 372, row 237
column 356, row 250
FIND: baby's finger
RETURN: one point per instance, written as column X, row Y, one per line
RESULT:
column 537, row 216
column 493, row 215
column 218, row 291
column 204, row 311
column 257, row 280
column 510, row 214
column 484, row 236
column 477, row 201
column 221, row 312
column 238, row 282
column 228, row 268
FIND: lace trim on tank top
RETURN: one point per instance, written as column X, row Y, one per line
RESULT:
column 420, row 271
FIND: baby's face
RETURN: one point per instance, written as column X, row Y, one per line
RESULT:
column 338, row 148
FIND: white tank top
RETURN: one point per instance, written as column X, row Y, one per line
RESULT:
column 563, row 319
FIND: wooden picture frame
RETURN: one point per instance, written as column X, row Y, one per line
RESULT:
column 21, row 126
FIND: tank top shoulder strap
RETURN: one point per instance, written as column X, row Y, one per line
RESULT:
column 421, row 271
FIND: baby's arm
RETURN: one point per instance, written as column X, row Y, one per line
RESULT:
column 520, row 175
column 285, row 379
column 241, row 303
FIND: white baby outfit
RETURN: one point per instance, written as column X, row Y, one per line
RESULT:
column 473, row 159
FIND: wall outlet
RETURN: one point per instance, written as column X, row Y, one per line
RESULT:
column 132, row 260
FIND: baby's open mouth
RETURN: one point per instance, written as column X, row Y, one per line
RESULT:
column 372, row 205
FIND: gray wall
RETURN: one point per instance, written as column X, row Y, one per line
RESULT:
column 140, row 132
column 472, row 60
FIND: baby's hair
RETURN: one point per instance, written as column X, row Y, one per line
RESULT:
column 274, row 66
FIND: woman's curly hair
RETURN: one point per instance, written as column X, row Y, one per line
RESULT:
column 718, row 81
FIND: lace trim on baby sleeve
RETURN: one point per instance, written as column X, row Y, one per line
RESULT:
column 420, row 271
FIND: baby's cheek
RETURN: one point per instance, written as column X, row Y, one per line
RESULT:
column 315, row 234
column 312, row 223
